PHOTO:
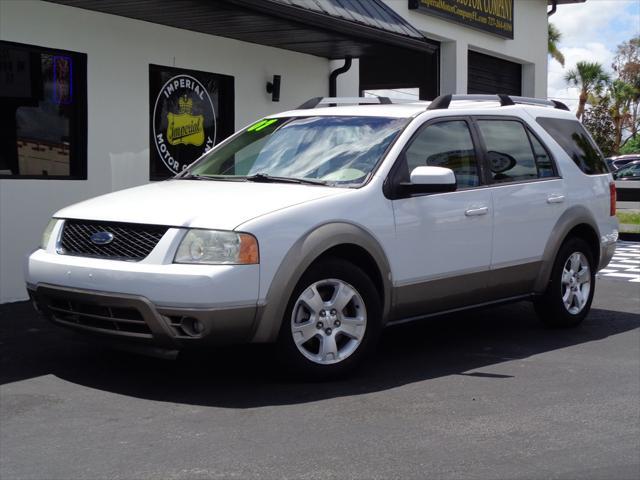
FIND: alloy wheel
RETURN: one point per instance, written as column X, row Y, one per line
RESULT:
column 576, row 282
column 328, row 321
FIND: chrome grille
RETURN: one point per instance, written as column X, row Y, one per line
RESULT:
column 131, row 241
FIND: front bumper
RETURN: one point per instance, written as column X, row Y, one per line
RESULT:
column 158, row 280
column 135, row 318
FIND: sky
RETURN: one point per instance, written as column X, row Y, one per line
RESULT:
column 591, row 31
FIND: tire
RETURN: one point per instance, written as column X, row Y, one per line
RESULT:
column 332, row 321
column 567, row 299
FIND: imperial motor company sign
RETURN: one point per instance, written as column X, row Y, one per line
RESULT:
column 493, row 16
column 178, row 124
column 190, row 111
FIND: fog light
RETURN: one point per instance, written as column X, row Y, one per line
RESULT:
column 192, row 326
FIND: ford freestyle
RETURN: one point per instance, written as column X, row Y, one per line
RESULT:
column 316, row 228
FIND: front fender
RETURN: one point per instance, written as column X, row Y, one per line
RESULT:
column 301, row 255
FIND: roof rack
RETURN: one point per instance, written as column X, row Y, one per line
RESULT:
column 443, row 101
column 333, row 101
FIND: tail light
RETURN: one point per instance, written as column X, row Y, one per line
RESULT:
column 612, row 199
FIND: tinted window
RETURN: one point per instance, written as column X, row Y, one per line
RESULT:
column 508, row 150
column 576, row 142
column 543, row 161
column 629, row 171
column 42, row 112
column 444, row 144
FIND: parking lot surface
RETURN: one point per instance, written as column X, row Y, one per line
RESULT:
column 625, row 264
column 484, row 394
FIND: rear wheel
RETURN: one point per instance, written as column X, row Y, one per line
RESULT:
column 568, row 297
column 332, row 320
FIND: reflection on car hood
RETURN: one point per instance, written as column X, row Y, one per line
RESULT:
column 196, row 203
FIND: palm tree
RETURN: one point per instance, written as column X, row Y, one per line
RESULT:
column 553, row 41
column 621, row 95
column 589, row 77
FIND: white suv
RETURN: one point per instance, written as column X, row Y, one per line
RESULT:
column 315, row 228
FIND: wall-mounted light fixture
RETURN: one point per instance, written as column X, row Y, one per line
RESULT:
column 273, row 88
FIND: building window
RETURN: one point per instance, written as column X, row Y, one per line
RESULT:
column 43, row 113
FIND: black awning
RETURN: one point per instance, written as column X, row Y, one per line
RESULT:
column 326, row 28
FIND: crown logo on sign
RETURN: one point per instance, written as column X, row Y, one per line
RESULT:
column 185, row 104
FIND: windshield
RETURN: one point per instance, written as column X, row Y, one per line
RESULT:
column 325, row 150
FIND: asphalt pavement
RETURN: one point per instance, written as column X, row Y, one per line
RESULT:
column 484, row 394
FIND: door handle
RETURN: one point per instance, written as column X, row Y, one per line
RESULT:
column 472, row 212
column 555, row 199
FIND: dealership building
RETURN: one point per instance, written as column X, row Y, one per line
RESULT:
column 101, row 95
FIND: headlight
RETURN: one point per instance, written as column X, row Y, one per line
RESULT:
column 46, row 235
column 218, row 247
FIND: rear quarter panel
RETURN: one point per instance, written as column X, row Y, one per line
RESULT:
column 583, row 192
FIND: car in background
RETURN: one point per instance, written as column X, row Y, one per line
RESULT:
column 631, row 171
column 616, row 163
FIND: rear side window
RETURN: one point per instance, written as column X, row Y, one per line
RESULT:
column 513, row 155
column 543, row 161
column 575, row 140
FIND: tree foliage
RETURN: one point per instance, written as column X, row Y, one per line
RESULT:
column 627, row 61
column 597, row 120
column 631, row 146
column 590, row 78
column 627, row 66
column 614, row 116
column 554, row 38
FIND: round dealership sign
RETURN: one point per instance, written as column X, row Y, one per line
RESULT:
column 184, row 122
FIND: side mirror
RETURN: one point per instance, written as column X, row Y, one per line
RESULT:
column 436, row 177
column 426, row 180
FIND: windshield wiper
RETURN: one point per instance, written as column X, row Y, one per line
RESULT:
column 266, row 178
column 195, row 176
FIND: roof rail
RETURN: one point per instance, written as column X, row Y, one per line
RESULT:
column 333, row 101
column 443, row 101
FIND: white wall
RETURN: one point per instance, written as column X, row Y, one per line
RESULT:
column 347, row 83
column 528, row 47
column 119, row 52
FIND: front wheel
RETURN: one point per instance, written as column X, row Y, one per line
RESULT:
column 568, row 297
column 332, row 320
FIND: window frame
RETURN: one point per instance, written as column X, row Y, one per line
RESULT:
column 78, row 157
column 391, row 183
column 529, row 131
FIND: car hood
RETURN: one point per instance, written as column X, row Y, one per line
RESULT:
column 196, row 203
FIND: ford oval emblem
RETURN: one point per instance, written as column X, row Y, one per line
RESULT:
column 102, row 238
